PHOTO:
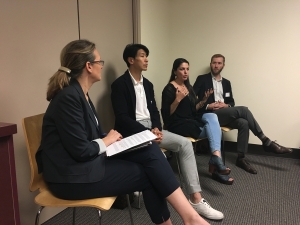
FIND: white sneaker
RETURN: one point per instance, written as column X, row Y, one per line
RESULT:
column 204, row 209
column 137, row 193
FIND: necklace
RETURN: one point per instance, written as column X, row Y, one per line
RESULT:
column 181, row 85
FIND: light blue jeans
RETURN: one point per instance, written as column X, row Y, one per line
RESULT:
column 212, row 131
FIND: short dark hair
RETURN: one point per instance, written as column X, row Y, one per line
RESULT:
column 218, row 56
column 131, row 51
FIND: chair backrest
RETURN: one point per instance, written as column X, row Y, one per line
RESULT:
column 32, row 127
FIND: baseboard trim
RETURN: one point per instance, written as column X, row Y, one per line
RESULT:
column 258, row 150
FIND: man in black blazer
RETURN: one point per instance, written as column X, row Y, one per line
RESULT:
column 135, row 110
column 222, row 103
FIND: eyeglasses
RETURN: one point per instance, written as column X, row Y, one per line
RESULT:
column 101, row 62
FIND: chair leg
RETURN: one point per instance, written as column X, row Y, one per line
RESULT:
column 139, row 203
column 194, row 146
column 100, row 216
column 129, row 208
column 37, row 218
column 178, row 166
column 223, row 148
column 74, row 215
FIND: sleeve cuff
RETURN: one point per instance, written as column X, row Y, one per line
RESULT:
column 102, row 146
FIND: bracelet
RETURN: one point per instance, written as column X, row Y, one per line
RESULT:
column 200, row 104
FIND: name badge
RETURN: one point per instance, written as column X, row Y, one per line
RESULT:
column 227, row 94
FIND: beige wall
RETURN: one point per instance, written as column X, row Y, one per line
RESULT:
column 260, row 40
column 32, row 35
column 155, row 34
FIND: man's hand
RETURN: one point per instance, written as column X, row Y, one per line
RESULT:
column 222, row 105
column 217, row 105
column 158, row 134
column 213, row 106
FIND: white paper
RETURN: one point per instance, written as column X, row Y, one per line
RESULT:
column 129, row 142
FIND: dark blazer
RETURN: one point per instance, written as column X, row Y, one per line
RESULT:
column 124, row 105
column 67, row 153
column 204, row 82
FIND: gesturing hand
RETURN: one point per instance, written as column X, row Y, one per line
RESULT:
column 181, row 93
column 112, row 137
column 207, row 94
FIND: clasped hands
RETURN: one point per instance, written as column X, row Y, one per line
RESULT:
column 158, row 134
column 217, row 105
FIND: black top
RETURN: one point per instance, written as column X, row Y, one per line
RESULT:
column 185, row 120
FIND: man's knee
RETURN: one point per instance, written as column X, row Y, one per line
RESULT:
column 243, row 108
column 242, row 124
column 185, row 144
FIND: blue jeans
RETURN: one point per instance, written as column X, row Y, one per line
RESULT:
column 212, row 131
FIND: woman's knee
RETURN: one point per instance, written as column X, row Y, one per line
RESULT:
column 210, row 117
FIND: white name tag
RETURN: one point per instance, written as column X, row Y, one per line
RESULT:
column 227, row 94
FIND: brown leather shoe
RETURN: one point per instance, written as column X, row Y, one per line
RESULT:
column 245, row 165
column 276, row 148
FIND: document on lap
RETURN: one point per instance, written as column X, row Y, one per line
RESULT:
column 133, row 142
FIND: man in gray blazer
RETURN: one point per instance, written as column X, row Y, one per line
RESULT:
column 222, row 103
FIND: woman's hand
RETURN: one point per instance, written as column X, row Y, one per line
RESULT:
column 207, row 94
column 112, row 137
column 181, row 93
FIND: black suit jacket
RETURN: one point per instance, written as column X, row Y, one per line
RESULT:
column 204, row 82
column 124, row 105
column 67, row 153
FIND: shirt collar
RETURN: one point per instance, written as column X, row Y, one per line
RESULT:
column 215, row 78
column 134, row 82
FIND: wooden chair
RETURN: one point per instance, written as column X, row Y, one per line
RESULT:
column 194, row 142
column 224, row 130
column 32, row 127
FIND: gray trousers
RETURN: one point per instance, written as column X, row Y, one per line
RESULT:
column 176, row 143
column 240, row 118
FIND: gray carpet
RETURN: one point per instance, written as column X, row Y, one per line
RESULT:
column 271, row 197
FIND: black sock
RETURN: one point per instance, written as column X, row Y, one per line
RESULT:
column 264, row 139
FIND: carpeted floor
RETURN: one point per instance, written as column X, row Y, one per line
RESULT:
column 271, row 197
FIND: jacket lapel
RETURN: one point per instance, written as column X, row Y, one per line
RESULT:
column 129, row 84
column 210, row 85
column 90, row 107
